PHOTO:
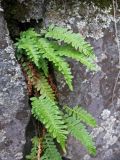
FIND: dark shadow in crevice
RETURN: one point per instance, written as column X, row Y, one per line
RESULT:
column 15, row 13
column 30, row 133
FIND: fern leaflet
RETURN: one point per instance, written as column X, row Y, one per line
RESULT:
column 34, row 150
column 59, row 62
column 27, row 43
column 78, row 130
column 81, row 115
column 44, row 66
column 67, row 36
column 45, row 89
column 70, row 52
column 49, row 149
column 39, row 82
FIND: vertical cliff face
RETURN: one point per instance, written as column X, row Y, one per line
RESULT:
column 94, row 91
column 14, row 106
column 14, row 109
column 95, row 21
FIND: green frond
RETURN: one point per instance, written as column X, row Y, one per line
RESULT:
column 78, row 131
column 43, row 63
column 67, row 36
column 27, row 43
column 68, row 51
column 42, row 49
column 34, row 150
column 40, row 83
column 45, row 89
column 49, row 149
column 59, row 62
column 81, row 114
column 49, row 114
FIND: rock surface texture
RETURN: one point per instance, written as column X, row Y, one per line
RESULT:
column 94, row 91
column 14, row 109
column 95, row 21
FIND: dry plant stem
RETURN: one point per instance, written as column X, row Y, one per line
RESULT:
column 118, row 46
column 39, row 149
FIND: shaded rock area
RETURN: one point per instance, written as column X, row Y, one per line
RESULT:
column 94, row 91
column 14, row 108
column 23, row 14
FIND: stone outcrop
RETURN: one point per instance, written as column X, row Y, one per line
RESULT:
column 94, row 91
column 14, row 108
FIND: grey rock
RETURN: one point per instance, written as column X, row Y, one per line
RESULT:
column 14, row 108
column 35, row 9
column 94, row 91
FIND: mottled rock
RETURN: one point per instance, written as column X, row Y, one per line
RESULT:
column 94, row 91
column 14, row 109
column 23, row 14
column 24, row 10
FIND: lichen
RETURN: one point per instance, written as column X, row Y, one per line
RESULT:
column 108, row 127
column 89, row 20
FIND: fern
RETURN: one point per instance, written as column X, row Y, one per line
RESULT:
column 39, row 82
column 72, row 53
column 43, row 86
column 36, row 48
column 48, row 113
column 67, row 36
column 49, row 149
column 27, row 44
column 43, row 63
column 39, row 49
column 34, row 150
column 78, row 130
column 60, row 63
column 82, row 115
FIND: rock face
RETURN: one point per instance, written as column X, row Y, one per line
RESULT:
column 14, row 109
column 94, row 91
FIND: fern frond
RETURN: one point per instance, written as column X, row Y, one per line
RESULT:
column 44, row 66
column 59, row 62
column 49, row 114
column 39, row 82
column 78, row 131
column 67, row 36
column 49, row 149
column 27, row 43
column 34, row 150
column 81, row 114
column 37, row 48
column 72, row 53
column 45, row 89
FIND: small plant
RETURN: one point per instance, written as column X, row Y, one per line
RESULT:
column 35, row 51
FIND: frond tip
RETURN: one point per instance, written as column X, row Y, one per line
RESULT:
column 81, row 115
column 78, row 131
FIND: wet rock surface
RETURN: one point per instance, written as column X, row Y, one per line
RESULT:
column 14, row 109
column 94, row 91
